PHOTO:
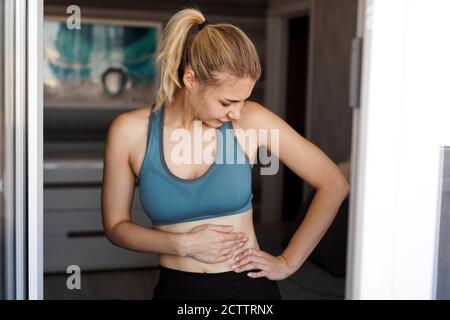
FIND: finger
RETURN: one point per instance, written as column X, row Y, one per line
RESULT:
column 252, row 253
column 234, row 236
column 229, row 253
column 235, row 245
column 224, row 257
column 259, row 274
column 221, row 228
column 239, row 253
column 252, row 266
column 249, row 259
column 247, row 252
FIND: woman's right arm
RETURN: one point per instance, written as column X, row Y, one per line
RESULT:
column 211, row 243
column 118, row 192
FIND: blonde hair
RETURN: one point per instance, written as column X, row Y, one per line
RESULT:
column 215, row 48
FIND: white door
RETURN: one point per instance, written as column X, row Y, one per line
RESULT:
column 21, row 149
column 400, row 129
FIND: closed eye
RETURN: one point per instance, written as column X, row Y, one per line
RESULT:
column 224, row 104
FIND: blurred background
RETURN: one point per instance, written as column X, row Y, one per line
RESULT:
column 107, row 68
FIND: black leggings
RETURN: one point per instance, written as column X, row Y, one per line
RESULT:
column 181, row 285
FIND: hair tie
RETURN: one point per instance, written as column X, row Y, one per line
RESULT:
column 202, row 25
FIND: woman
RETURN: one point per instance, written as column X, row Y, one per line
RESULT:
column 201, row 213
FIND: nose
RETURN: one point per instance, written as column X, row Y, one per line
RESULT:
column 235, row 113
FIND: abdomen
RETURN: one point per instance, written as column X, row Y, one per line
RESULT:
column 242, row 222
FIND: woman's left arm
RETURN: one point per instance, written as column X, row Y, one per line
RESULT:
column 312, row 165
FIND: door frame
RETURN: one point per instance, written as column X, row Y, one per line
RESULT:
column 35, row 148
column 23, row 185
column 354, row 253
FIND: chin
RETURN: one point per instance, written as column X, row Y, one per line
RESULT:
column 221, row 122
column 212, row 123
column 216, row 122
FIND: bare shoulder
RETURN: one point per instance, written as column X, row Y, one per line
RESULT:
column 267, row 123
column 127, row 129
column 255, row 116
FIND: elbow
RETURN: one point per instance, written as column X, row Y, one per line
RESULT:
column 109, row 235
column 343, row 187
column 112, row 233
column 338, row 186
column 347, row 190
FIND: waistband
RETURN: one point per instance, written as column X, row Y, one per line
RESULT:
column 203, row 275
column 203, row 285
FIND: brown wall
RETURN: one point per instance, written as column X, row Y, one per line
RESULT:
column 248, row 8
column 330, row 115
column 331, row 118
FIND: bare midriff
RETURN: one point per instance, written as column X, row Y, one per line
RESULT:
column 242, row 222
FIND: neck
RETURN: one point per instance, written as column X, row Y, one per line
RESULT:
column 179, row 114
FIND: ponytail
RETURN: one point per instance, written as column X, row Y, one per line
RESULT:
column 169, row 59
column 215, row 48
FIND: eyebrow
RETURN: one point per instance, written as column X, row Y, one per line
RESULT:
column 231, row 100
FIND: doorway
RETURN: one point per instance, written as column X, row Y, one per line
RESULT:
column 296, row 99
column 309, row 49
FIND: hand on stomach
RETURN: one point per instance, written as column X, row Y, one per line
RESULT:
column 206, row 250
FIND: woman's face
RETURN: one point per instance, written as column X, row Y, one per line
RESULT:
column 215, row 105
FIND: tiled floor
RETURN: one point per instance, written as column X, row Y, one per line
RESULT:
column 309, row 282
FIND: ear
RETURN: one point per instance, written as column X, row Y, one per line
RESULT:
column 189, row 79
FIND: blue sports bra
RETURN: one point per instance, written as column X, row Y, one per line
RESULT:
column 224, row 189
